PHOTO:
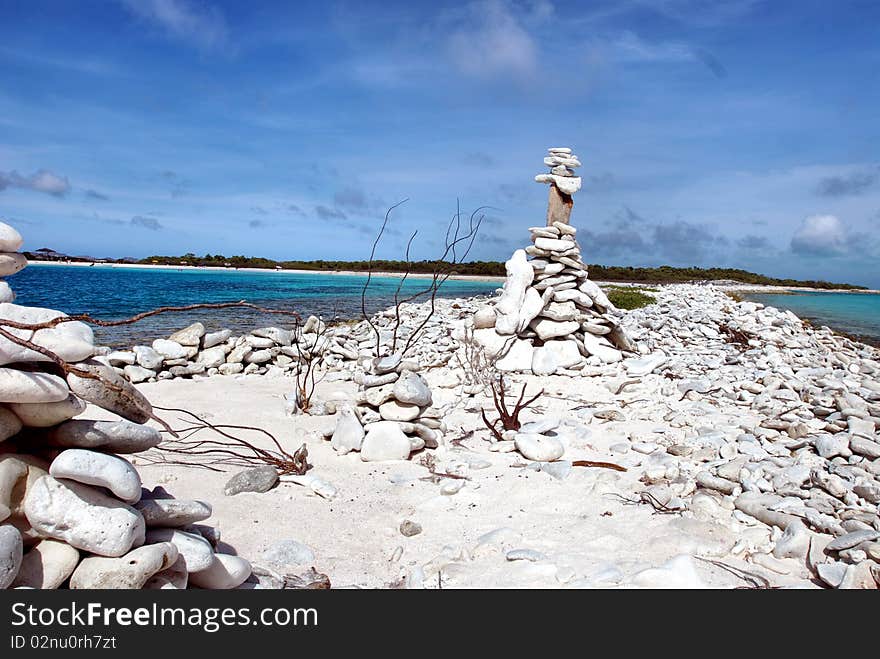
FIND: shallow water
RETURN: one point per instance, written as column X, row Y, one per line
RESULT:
column 852, row 313
column 119, row 292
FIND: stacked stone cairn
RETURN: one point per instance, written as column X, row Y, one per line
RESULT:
column 72, row 511
column 550, row 318
column 392, row 417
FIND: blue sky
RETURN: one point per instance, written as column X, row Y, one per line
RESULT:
column 730, row 132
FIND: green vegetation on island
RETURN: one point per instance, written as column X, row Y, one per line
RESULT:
column 629, row 298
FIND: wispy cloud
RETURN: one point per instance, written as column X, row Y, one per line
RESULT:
column 820, row 235
column 95, row 195
column 146, row 222
column 203, row 26
column 492, row 39
column 40, row 181
column 853, row 183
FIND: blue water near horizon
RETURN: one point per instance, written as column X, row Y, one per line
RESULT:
column 853, row 313
column 114, row 292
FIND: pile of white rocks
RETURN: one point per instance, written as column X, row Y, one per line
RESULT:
column 72, row 510
column 775, row 430
column 393, row 416
column 193, row 351
column 550, row 318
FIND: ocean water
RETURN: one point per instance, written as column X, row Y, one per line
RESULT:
column 853, row 313
column 115, row 292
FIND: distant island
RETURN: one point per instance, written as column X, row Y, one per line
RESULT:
column 662, row 275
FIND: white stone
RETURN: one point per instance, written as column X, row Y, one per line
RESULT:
column 554, row 244
column 565, row 353
column 519, row 275
column 212, row 357
column 83, row 517
column 679, row 572
column 551, row 329
column 602, row 349
column 560, row 311
column 10, row 239
column 113, row 436
column 101, row 469
column 169, row 349
column 596, row 294
column 517, row 357
column 189, row 336
column 72, row 341
column 6, row 292
column 10, row 425
column 226, row 572
column 11, row 262
column 45, row 415
column 566, row 184
column 10, row 554
column 212, row 339
column 394, row 411
column 196, row 551
column 411, row 388
column 543, row 362
column 26, row 387
column 533, row 303
column 47, row 565
column 148, row 358
column 484, row 317
column 137, row 374
column 385, row 441
column 349, row 433
column 539, row 448
column 129, row 572
column 644, row 365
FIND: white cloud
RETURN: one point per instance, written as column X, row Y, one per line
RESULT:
column 629, row 47
column 820, row 235
column 40, row 181
column 493, row 40
column 204, row 27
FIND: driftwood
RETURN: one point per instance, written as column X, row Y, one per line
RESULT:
column 509, row 420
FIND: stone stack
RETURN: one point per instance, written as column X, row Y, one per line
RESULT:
column 550, row 318
column 193, row 351
column 393, row 415
column 72, row 511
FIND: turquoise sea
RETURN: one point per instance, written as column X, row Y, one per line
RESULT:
column 857, row 314
column 114, row 292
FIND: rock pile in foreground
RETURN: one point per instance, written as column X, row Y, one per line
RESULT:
column 72, row 508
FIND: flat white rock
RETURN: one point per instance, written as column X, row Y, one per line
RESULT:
column 83, row 517
column 94, row 468
column 225, row 573
column 385, row 441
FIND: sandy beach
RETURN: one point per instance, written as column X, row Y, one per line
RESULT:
column 686, row 409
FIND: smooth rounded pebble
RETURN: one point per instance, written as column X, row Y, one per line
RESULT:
column 47, row 565
column 73, row 341
column 288, row 554
column 11, row 262
column 539, row 448
column 83, row 517
column 126, row 572
column 112, row 436
column 10, row 554
column 111, row 392
column 385, row 441
column 172, row 512
column 101, row 469
column 29, row 387
column 10, row 238
column 196, row 551
column 6, row 292
column 10, row 424
column 174, row 577
column 258, row 479
column 45, row 415
column 225, row 572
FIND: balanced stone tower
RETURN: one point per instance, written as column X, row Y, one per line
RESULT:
column 550, row 317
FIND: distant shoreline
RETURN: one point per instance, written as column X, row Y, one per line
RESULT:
column 217, row 268
column 730, row 287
